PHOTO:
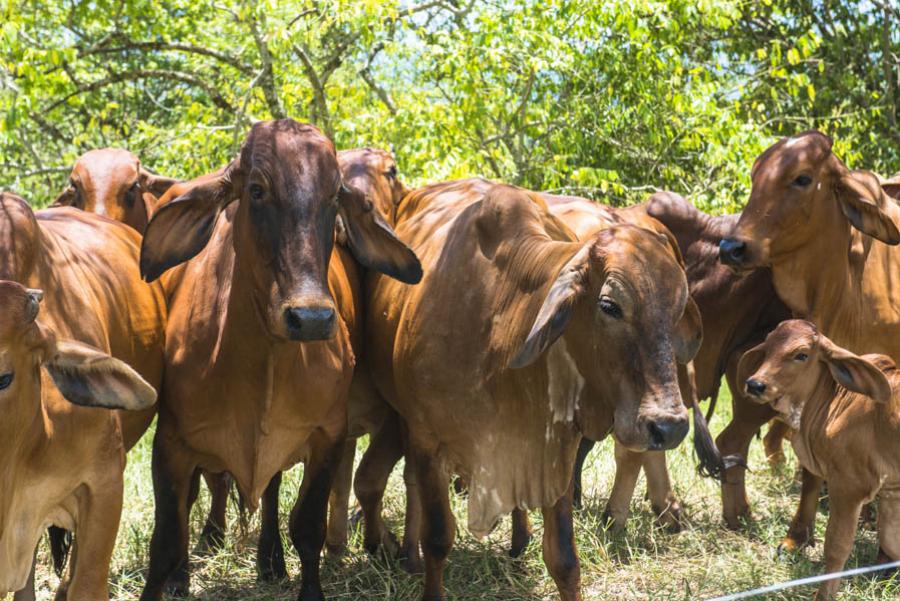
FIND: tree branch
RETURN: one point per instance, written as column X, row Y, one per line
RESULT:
column 268, row 79
column 189, row 48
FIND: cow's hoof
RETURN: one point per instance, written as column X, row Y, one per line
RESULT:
column 669, row 518
column 311, row 593
column 519, row 544
column 889, row 573
column 791, row 545
column 776, row 460
column 411, row 560
column 211, row 541
column 336, row 550
column 386, row 545
column 178, row 586
column 272, row 571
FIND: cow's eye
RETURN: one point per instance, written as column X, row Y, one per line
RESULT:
column 6, row 380
column 801, row 357
column 131, row 194
column 392, row 172
column 802, row 181
column 256, row 192
column 609, row 306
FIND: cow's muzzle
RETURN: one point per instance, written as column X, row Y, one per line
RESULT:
column 666, row 432
column 307, row 323
column 733, row 252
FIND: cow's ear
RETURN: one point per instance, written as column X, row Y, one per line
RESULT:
column 891, row 187
column 750, row 362
column 556, row 311
column 854, row 372
column 868, row 208
column 88, row 377
column 372, row 241
column 66, row 198
column 156, row 184
column 182, row 228
column 688, row 332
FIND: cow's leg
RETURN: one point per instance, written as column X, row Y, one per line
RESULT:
column 173, row 469
column 309, row 517
column 560, row 554
column 438, row 523
column 26, row 593
column 659, row 489
column 774, row 440
column 212, row 538
column 339, row 502
column 628, row 468
column 521, row 532
column 889, row 529
column 410, row 555
column 844, row 513
column 735, row 440
column 385, row 450
column 270, row 552
column 99, row 513
column 583, row 449
column 801, row 529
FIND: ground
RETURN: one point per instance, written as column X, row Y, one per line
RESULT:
column 702, row 561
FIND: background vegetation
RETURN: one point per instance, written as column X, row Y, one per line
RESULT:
column 607, row 99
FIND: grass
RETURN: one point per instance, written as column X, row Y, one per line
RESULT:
column 645, row 562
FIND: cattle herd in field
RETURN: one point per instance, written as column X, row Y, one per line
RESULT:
column 276, row 310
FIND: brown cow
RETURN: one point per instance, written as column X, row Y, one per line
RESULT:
column 111, row 182
column 258, row 351
column 479, row 361
column 87, row 266
column 846, row 410
column 828, row 235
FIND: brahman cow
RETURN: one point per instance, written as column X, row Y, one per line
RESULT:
column 846, row 411
column 486, row 358
column 829, row 236
column 258, row 350
column 111, row 182
column 88, row 268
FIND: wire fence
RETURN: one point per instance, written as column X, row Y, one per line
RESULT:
column 772, row 588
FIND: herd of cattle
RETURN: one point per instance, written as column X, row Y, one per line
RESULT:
column 299, row 298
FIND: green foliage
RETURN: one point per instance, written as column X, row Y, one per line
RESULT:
column 605, row 99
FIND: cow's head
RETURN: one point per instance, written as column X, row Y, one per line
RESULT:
column 289, row 188
column 373, row 172
column 795, row 360
column 622, row 302
column 79, row 373
column 111, row 182
column 801, row 191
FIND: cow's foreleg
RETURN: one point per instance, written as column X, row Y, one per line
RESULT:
column 270, row 552
column 309, row 516
column 339, row 502
column 438, row 524
column 384, row 451
column 801, row 529
column 583, row 449
column 173, row 469
column 843, row 517
column 735, row 439
column 212, row 538
column 26, row 593
column 99, row 512
column 628, row 468
column 560, row 554
column 659, row 488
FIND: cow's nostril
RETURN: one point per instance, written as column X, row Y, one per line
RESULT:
column 732, row 251
column 666, row 434
column 309, row 323
column 755, row 387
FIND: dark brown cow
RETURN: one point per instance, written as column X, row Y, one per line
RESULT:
column 111, row 182
column 482, row 362
column 829, row 235
column 87, row 266
column 258, row 351
column 846, row 411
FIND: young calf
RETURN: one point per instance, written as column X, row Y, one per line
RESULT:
column 846, row 410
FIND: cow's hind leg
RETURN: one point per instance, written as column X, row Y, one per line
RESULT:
column 889, row 529
column 270, row 564
column 384, row 451
column 309, row 516
column 173, row 470
column 801, row 528
column 339, row 502
column 438, row 524
column 773, row 442
column 560, row 554
column 212, row 538
column 659, row 488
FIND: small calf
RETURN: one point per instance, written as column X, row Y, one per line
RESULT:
column 846, row 410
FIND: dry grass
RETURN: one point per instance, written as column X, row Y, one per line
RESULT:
column 703, row 560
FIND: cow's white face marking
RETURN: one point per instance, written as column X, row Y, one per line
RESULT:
column 790, row 142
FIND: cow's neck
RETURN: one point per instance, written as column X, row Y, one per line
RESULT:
column 814, row 421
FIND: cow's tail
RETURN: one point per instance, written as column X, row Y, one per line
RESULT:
column 60, row 545
column 710, row 462
column 243, row 515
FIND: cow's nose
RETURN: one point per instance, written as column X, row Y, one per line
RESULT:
column 309, row 323
column 755, row 387
column 666, row 433
column 732, row 251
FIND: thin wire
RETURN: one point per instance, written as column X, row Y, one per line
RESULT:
column 808, row 580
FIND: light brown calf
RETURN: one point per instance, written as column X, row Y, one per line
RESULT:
column 846, row 410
